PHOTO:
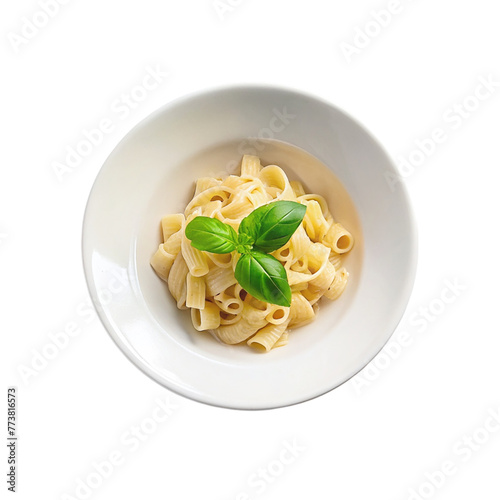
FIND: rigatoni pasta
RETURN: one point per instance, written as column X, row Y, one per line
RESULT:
column 205, row 282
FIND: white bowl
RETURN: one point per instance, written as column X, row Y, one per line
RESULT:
column 152, row 172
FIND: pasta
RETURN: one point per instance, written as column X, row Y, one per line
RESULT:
column 205, row 283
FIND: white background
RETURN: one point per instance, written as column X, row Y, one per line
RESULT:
column 379, row 436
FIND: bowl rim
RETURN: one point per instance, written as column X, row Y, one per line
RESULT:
column 114, row 333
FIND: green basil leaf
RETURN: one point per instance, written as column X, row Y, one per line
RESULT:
column 264, row 277
column 271, row 226
column 211, row 235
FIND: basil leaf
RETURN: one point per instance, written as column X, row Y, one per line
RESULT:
column 264, row 277
column 211, row 235
column 272, row 225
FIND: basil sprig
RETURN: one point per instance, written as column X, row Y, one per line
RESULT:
column 266, row 229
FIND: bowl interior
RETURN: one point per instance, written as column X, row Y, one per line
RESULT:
column 174, row 193
column 152, row 172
